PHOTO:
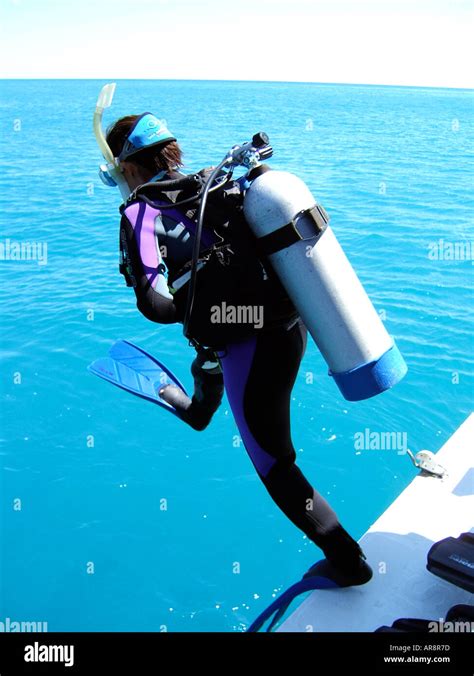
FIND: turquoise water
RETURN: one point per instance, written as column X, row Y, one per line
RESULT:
column 115, row 516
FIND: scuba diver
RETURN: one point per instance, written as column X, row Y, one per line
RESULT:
column 255, row 362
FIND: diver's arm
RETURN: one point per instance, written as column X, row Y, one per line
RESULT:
column 156, row 308
column 147, row 270
column 208, row 392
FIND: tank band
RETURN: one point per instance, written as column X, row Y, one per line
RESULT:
column 289, row 234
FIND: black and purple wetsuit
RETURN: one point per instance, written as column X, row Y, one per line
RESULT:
column 258, row 375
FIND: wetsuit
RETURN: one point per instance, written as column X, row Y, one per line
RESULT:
column 258, row 375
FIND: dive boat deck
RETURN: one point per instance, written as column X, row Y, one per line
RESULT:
column 396, row 545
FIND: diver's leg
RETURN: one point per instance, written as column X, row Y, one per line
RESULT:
column 208, row 391
column 259, row 375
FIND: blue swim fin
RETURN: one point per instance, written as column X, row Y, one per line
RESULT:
column 134, row 370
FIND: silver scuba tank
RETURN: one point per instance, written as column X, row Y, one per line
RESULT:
column 293, row 231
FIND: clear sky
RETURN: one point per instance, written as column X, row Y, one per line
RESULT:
column 406, row 42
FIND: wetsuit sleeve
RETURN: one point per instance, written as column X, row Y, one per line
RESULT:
column 146, row 270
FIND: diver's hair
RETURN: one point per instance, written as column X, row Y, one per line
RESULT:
column 164, row 157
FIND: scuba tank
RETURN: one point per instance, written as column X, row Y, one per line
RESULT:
column 294, row 232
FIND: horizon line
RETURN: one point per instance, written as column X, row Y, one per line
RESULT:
column 309, row 82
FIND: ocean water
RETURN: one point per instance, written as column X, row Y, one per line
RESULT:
column 114, row 515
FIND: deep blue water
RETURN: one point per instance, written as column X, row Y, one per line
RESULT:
column 85, row 543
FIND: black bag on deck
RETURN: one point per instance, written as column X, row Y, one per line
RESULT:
column 453, row 560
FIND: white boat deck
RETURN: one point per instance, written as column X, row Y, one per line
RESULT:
column 396, row 545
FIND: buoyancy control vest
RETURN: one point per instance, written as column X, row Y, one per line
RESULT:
column 237, row 292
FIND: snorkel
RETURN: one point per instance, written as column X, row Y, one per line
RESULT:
column 110, row 173
column 146, row 132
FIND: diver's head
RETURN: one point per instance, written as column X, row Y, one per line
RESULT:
column 144, row 147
